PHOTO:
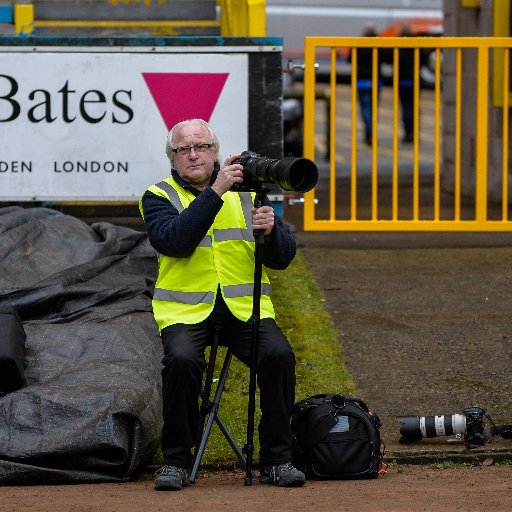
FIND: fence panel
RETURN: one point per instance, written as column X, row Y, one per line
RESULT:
column 434, row 176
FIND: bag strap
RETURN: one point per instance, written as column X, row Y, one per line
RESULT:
column 354, row 400
column 335, row 398
column 504, row 431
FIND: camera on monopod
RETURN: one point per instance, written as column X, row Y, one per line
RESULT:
column 289, row 173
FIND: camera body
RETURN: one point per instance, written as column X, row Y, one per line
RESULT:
column 468, row 426
column 475, row 435
column 289, row 173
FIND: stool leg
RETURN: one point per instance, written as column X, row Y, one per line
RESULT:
column 205, row 408
column 216, row 403
column 200, row 449
column 213, row 408
column 206, row 404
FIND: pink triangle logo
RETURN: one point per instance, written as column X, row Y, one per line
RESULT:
column 181, row 96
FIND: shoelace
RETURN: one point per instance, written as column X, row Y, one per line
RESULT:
column 276, row 471
column 169, row 470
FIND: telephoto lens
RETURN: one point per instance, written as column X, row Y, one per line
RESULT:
column 414, row 428
column 289, row 173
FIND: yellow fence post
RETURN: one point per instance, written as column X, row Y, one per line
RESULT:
column 23, row 19
column 482, row 89
column 309, row 124
column 247, row 18
column 505, row 137
column 257, row 18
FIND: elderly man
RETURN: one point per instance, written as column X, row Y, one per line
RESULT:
column 203, row 233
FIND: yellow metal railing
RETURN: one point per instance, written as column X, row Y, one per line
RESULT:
column 155, row 27
column 246, row 18
column 23, row 18
column 243, row 18
column 392, row 186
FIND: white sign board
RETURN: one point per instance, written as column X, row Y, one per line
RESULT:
column 77, row 124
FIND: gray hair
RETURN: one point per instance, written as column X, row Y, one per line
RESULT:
column 169, row 146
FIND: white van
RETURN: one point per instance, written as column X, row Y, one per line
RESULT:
column 295, row 19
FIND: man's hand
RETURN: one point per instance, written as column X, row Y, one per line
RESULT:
column 263, row 218
column 229, row 174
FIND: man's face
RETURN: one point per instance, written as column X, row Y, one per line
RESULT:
column 194, row 166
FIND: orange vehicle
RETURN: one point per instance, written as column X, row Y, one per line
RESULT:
column 417, row 26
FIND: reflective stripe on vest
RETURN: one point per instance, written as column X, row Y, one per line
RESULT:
column 183, row 297
column 230, row 292
column 244, row 290
column 225, row 235
column 173, row 195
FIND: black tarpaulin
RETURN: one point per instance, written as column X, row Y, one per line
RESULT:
column 90, row 408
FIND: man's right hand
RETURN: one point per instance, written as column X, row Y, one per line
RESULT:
column 229, row 174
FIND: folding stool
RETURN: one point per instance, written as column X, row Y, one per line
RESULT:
column 211, row 408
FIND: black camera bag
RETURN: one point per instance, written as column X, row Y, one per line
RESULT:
column 336, row 437
column 12, row 351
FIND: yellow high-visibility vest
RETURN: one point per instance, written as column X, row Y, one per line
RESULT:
column 186, row 288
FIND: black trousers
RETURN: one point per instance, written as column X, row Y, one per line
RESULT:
column 183, row 366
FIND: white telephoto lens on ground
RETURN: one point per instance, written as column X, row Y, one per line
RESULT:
column 445, row 425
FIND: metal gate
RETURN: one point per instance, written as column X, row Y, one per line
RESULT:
column 445, row 178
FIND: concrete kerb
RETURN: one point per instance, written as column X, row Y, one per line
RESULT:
column 469, row 457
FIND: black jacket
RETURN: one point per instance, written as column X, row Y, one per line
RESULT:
column 177, row 234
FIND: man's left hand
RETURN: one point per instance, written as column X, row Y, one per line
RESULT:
column 263, row 218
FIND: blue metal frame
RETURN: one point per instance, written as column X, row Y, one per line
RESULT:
column 169, row 41
column 6, row 14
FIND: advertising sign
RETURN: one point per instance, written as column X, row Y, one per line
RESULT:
column 78, row 124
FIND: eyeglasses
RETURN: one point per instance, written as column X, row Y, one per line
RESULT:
column 198, row 148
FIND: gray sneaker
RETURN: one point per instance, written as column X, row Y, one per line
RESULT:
column 171, row 478
column 284, row 475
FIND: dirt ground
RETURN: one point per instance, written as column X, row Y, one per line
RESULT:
column 424, row 321
column 404, row 488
